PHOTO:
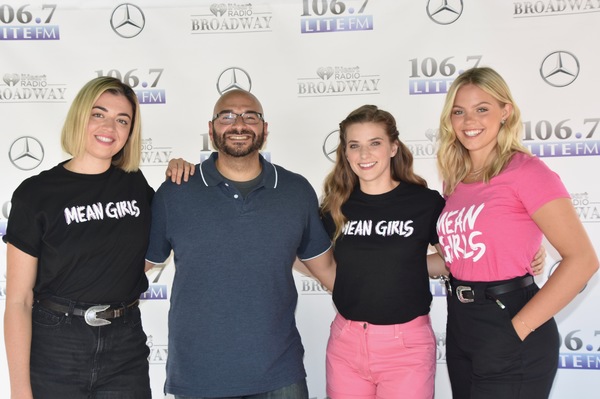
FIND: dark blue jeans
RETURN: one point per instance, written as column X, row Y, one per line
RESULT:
column 70, row 359
column 297, row 390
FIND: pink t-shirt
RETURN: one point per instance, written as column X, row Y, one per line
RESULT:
column 486, row 230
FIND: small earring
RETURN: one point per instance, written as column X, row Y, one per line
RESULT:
column 502, row 121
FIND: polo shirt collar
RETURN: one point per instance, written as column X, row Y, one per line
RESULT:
column 211, row 176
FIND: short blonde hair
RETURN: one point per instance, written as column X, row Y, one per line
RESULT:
column 74, row 131
column 453, row 158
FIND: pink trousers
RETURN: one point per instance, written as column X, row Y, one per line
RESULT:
column 368, row 361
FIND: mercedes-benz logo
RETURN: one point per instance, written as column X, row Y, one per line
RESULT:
column 127, row 20
column 559, row 68
column 444, row 12
column 233, row 78
column 5, row 210
column 330, row 145
column 26, row 153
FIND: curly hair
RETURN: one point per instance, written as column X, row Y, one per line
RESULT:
column 341, row 181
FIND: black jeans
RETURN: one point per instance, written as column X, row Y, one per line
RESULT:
column 487, row 359
column 70, row 359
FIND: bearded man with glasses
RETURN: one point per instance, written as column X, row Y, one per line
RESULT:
column 233, row 141
column 235, row 229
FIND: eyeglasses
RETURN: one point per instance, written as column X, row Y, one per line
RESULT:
column 229, row 118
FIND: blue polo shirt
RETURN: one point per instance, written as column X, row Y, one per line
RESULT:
column 232, row 329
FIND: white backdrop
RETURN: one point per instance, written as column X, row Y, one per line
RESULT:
column 311, row 62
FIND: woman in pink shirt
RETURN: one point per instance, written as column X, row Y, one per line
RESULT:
column 502, row 341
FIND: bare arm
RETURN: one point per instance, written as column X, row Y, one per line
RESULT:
column 21, row 271
column 179, row 169
column 323, row 268
column 560, row 224
column 148, row 266
column 300, row 268
column 436, row 266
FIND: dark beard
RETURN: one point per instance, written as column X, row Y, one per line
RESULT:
column 220, row 143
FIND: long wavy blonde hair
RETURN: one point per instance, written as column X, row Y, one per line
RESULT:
column 453, row 158
column 341, row 181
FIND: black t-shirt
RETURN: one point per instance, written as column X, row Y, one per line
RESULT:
column 382, row 254
column 89, row 233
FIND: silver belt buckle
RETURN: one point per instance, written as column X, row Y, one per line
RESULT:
column 90, row 316
column 459, row 294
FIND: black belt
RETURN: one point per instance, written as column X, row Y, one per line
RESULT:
column 94, row 315
column 467, row 292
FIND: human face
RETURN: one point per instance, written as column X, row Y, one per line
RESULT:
column 369, row 152
column 108, row 128
column 239, row 139
column 476, row 119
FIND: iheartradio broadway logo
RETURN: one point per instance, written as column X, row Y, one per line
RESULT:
column 218, row 10
column 325, row 72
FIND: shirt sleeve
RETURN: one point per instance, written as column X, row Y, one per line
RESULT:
column 159, row 247
column 328, row 224
column 538, row 184
column 25, row 227
column 438, row 206
column 315, row 240
column 149, row 189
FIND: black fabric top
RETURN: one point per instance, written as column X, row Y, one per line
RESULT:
column 382, row 255
column 89, row 233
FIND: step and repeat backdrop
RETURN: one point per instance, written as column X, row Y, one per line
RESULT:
column 310, row 62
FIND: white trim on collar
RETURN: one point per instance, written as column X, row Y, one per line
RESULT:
column 272, row 165
column 276, row 175
column 202, row 175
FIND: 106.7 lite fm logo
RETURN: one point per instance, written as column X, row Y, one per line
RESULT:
column 155, row 290
column 145, row 83
column 323, row 16
column 28, row 23
column 434, row 76
column 562, row 137
column 579, row 349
